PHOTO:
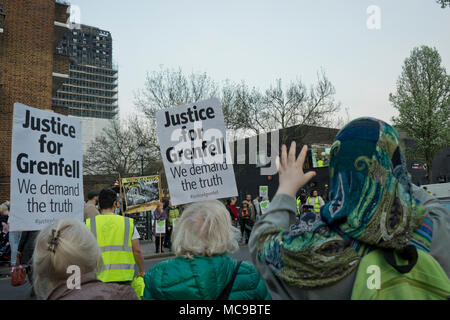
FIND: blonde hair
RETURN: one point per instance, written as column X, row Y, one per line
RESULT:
column 76, row 245
column 205, row 230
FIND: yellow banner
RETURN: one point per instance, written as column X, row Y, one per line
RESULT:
column 141, row 193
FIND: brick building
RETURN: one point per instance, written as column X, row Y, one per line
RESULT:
column 30, row 70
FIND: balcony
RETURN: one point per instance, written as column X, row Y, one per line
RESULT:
column 62, row 14
column 60, row 71
column 60, row 30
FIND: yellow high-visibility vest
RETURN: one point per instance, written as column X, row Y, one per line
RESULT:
column 298, row 204
column 316, row 204
column 113, row 234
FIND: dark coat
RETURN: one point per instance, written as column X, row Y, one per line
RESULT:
column 93, row 289
column 26, row 246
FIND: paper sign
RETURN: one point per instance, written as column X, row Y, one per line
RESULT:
column 160, row 227
column 264, row 205
column 46, row 169
column 264, row 192
column 195, row 153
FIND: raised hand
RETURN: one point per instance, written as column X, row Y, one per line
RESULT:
column 292, row 177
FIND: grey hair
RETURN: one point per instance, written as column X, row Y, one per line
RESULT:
column 76, row 246
column 205, row 229
column 4, row 207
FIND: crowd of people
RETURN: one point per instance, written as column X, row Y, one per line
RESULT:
column 301, row 247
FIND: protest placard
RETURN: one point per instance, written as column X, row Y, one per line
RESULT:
column 141, row 193
column 195, row 152
column 46, row 168
column 263, row 192
column 160, row 227
column 264, row 205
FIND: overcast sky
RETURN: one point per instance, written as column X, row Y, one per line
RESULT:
column 259, row 41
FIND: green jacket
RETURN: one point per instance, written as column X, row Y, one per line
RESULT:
column 203, row 278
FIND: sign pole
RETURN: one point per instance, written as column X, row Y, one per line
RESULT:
column 121, row 196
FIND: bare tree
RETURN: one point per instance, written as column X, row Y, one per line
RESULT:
column 279, row 108
column 246, row 110
column 117, row 149
column 166, row 88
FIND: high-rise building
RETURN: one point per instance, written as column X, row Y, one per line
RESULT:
column 30, row 69
column 91, row 90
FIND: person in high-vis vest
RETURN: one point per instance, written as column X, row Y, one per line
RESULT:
column 118, row 240
column 299, row 205
column 315, row 201
column 426, row 190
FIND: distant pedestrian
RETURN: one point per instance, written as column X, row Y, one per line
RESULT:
column 173, row 214
column 257, row 207
column 160, row 215
column 202, row 269
column 232, row 210
column 64, row 248
column 245, row 221
column 26, row 250
column 13, row 236
column 251, row 207
column 315, row 200
column 90, row 207
column 118, row 239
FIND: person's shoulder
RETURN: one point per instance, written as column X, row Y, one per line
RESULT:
column 247, row 267
column 115, row 291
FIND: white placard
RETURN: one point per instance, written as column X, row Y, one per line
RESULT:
column 263, row 192
column 264, row 206
column 160, row 227
column 195, row 153
column 46, row 168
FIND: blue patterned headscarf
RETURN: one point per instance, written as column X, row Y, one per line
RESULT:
column 371, row 206
column 370, row 188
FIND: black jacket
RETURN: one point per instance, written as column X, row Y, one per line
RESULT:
column 26, row 246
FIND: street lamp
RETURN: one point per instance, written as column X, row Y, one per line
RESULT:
column 142, row 152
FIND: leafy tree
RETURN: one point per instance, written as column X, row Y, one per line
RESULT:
column 423, row 102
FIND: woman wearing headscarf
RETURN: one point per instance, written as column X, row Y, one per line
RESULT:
column 373, row 206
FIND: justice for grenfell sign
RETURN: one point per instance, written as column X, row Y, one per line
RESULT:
column 46, row 169
column 195, row 153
